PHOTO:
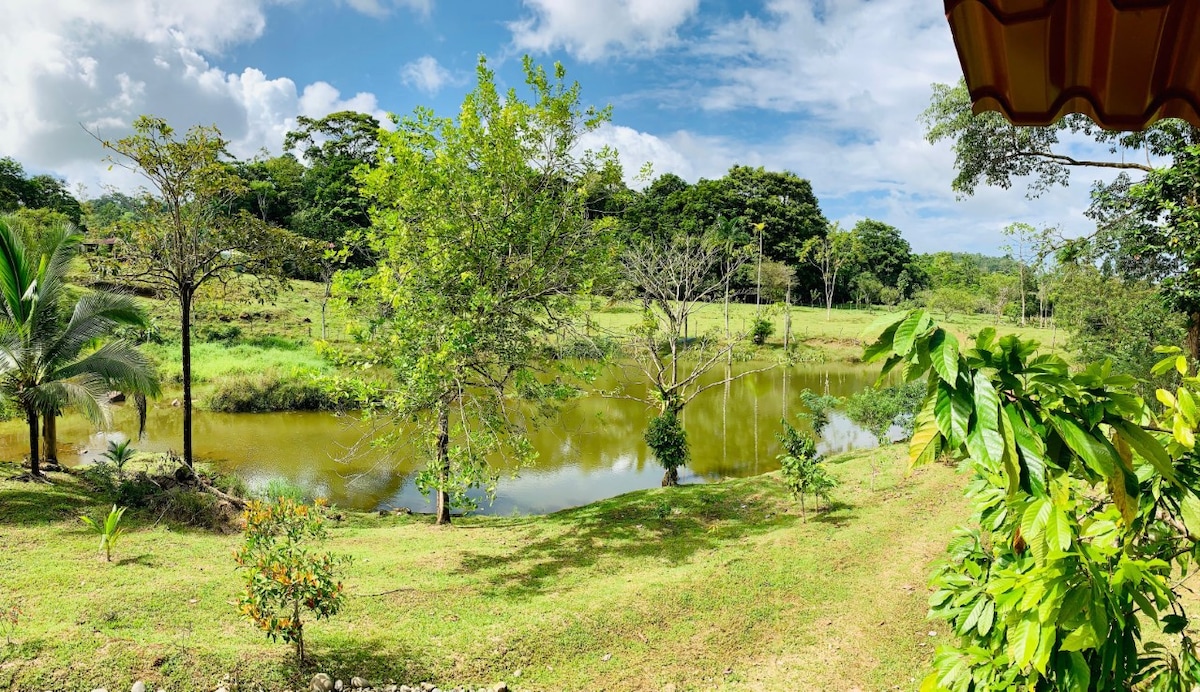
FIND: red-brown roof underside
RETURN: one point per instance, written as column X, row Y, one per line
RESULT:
column 1124, row 63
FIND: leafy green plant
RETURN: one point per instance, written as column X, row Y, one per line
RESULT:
column 761, row 330
column 819, row 406
column 119, row 454
column 668, row 440
column 110, row 530
column 281, row 575
column 281, row 487
column 801, row 467
column 878, row 409
column 1086, row 505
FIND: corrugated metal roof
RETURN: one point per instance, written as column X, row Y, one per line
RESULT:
column 1124, row 63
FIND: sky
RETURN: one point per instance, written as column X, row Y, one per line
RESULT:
column 828, row 89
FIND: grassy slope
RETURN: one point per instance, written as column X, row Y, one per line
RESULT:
column 274, row 335
column 708, row 587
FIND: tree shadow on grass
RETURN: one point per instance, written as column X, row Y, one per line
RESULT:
column 41, row 503
column 343, row 655
column 670, row 525
column 835, row 514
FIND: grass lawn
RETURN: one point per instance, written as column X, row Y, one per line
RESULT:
column 839, row 335
column 717, row 586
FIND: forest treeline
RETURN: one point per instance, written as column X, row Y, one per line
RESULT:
column 794, row 252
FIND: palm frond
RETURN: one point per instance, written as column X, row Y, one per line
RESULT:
column 95, row 316
column 119, row 365
column 86, row 393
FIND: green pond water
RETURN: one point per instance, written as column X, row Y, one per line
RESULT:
column 593, row 450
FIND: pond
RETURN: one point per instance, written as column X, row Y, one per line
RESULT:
column 593, row 450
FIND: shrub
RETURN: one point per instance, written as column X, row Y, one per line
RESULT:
column 801, row 467
column 819, row 406
column 668, row 440
column 269, row 392
column 761, row 330
column 281, row 575
column 281, row 488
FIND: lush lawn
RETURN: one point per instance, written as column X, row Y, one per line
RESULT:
column 837, row 335
column 707, row 587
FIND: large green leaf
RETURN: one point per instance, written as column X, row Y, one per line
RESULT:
column 925, row 443
column 882, row 345
column 1146, row 446
column 1023, row 640
column 953, row 411
column 943, row 352
column 907, row 331
column 1099, row 456
column 1033, row 452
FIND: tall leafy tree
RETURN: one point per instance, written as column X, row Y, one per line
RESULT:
column 486, row 243
column 333, row 147
column 187, row 232
column 880, row 250
column 829, row 254
column 1143, row 226
column 49, row 358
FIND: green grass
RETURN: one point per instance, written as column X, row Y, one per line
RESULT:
column 717, row 586
column 838, row 336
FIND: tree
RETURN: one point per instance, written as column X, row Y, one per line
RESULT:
column 186, row 233
column 674, row 279
column 486, row 244
column 1085, row 514
column 731, row 238
column 1142, row 227
column 49, row 357
column 880, row 250
column 829, row 254
column 334, row 147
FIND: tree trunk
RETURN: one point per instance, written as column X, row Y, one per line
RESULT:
column 1193, row 338
column 50, row 426
column 443, row 462
column 670, row 477
column 31, row 416
column 185, row 335
column 787, row 317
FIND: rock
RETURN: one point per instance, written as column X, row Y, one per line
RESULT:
column 99, row 689
column 500, row 687
column 221, row 689
column 390, row 688
column 427, row 687
column 138, row 686
column 358, row 683
column 175, row 403
column 321, row 682
column 339, row 686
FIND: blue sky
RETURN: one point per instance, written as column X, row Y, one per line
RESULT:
column 829, row 89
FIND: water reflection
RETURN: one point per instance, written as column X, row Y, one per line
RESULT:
column 593, row 450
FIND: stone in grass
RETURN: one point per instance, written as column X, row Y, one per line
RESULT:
column 358, row 683
column 139, row 686
column 500, row 687
column 321, row 682
column 339, row 686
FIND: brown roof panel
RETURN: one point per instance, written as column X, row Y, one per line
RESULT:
column 1124, row 63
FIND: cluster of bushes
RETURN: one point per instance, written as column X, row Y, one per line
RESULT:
column 162, row 488
column 300, row 390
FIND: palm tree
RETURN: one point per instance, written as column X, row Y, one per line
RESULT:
column 53, row 354
column 728, row 235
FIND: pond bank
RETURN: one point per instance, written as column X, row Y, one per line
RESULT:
column 706, row 586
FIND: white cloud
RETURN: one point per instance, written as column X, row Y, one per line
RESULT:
column 101, row 63
column 592, row 30
column 382, row 8
column 427, row 74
